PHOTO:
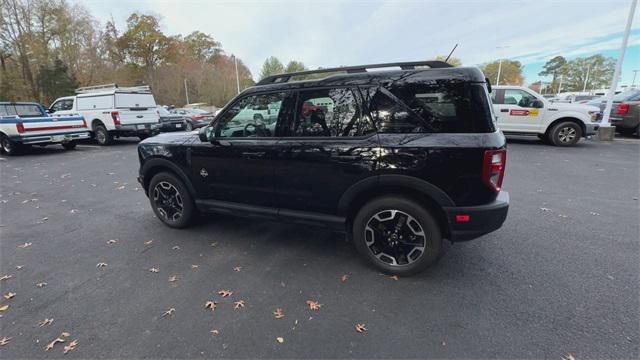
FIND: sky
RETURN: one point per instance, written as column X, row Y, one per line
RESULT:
column 331, row 33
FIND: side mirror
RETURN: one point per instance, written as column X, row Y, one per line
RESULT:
column 537, row 104
column 206, row 133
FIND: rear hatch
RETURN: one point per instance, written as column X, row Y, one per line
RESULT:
column 136, row 108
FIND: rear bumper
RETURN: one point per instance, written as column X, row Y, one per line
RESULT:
column 135, row 129
column 624, row 122
column 482, row 219
column 51, row 138
column 172, row 126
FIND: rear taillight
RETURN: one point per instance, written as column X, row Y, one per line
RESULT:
column 116, row 117
column 493, row 168
column 20, row 127
column 622, row 109
column 84, row 123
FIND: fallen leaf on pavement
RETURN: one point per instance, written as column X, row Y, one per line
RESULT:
column 72, row 345
column 4, row 307
column 563, row 216
column 19, row 267
column 394, row 277
column 214, row 332
column 74, row 211
column 278, row 313
column 6, row 277
column 55, row 341
column 101, row 264
column 25, row 245
column 120, row 187
column 238, row 304
column 360, row 328
column 313, row 305
column 444, row 343
column 154, row 270
column 45, row 322
column 237, row 268
column 4, row 341
column 9, row 295
column 194, row 266
column 280, row 339
column 214, row 244
column 41, row 284
column 568, row 357
column 148, row 242
column 112, row 241
column 344, row 278
column 545, row 209
column 169, row 312
column 210, row 304
column 173, row 278
column 176, row 247
column 43, row 220
column 225, row 293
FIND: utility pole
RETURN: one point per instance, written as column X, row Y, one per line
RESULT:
column 633, row 82
column 499, row 69
column 235, row 59
column 608, row 134
column 186, row 91
column 560, row 85
column 586, row 78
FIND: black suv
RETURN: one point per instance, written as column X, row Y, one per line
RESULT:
column 399, row 159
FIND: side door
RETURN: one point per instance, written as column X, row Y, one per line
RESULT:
column 238, row 164
column 518, row 110
column 330, row 145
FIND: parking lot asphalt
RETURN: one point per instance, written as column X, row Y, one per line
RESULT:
column 561, row 277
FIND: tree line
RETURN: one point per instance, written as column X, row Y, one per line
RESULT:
column 50, row 47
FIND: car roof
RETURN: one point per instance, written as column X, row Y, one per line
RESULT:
column 19, row 103
column 459, row 74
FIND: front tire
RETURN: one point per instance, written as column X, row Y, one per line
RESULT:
column 171, row 201
column 397, row 235
column 566, row 133
column 69, row 145
column 102, row 136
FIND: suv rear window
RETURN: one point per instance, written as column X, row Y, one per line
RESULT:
column 432, row 108
column 21, row 110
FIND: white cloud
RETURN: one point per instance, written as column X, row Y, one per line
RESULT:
column 334, row 32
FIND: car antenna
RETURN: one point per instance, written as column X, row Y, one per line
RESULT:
column 452, row 50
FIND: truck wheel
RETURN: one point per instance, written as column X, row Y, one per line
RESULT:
column 397, row 235
column 70, row 145
column 171, row 201
column 8, row 146
column 566, row 133
column 102, row 136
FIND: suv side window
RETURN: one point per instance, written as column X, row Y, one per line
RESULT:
column 518, row 97
column 330, row 112
column 252, row 116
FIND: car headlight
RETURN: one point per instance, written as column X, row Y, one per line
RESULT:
column 594, row 115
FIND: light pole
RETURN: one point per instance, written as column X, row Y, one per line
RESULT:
column 186, row 90
column 500, row 64
column 586, row 78
column 235, row 59
column 633, row 82
column 616, row 74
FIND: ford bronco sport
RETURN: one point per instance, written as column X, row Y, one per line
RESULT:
column 400, row 160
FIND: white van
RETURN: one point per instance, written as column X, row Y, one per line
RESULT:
column 112, row 111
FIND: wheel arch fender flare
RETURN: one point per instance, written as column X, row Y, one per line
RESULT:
column 156, row 165
column 392, row 181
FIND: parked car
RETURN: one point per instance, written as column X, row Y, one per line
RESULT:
column 406, row 160
column 171, row 122
column 195, row 118
column 27, row 123
column 112, row 111
column 625, row 113
column 522, row 111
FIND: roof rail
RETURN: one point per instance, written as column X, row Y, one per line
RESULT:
column 106, row 87
column 282, row 78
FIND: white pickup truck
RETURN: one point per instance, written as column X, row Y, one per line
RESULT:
column 522, row 111
column 112, row 111
column 26, row 123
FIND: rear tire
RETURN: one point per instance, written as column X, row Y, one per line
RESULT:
column 69, row 145
column 395, row 246
column 102, row 136
column 566, row 133
column 9, row 146
column 171, row 201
